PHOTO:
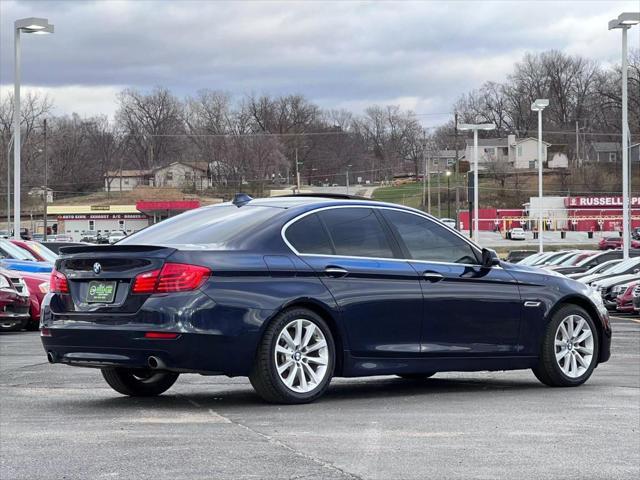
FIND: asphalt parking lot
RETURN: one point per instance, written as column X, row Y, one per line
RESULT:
column 60, row 422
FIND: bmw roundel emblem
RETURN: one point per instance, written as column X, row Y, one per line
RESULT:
column 97, row 268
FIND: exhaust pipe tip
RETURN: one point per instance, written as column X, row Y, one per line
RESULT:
column 51, row 357
column 156, row 363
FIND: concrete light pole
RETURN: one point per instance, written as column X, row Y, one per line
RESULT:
column 624, row 22
column 37, row 26
column 538, row 106
column 475, row 127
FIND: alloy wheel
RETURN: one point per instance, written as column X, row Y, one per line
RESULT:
column 574, row 346
column 301, row 356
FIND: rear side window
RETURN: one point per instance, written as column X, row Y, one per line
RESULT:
column 217, row 226
column 307, row 235
column 426, row 240
column 357, row 232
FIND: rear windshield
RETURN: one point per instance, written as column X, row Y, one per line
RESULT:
column 215, row 226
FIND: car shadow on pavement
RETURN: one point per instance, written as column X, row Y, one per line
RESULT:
column 382, row 389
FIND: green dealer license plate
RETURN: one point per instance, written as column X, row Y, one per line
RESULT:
column 101, row 292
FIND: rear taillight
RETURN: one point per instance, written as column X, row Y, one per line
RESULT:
column 58, row 282
column 172, row 277
column 145, row 282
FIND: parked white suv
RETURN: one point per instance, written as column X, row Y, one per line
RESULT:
column 116, row 235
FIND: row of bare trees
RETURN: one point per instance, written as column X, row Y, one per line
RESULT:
column 582, row 94
column 254, row 139
column 258, row 138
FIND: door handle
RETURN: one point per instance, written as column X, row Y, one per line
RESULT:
column 432, row 276
column 336, row 271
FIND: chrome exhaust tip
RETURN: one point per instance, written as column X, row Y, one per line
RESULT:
column 52, row 357
column 156, row 363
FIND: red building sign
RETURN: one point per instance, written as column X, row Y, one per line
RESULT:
column 598, row 202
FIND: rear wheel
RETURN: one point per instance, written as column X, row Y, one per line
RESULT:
column 569, row 349
column 417, row 376
column 295, row 358
column 139, row 382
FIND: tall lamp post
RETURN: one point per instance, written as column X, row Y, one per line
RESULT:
column 475, row 127
column 347, row 182
column 449, row 195
column 538, row 106
column 38, row 26
column 624, row 22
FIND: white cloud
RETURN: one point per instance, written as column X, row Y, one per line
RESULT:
column 422, row 55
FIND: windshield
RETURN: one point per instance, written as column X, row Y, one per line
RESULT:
column 214, row 226
column 603, row 267
column 44, row 252
column 559, row 260
column 16, row 252
column 530, row 259
column 624, row 266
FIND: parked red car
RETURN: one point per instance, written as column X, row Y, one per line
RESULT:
column 624, row 301
column 14, row 302
column 42, row 253
column 611, row 243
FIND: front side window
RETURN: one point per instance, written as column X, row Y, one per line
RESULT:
column 426, row 240
column 307, row 235
column 357, row 232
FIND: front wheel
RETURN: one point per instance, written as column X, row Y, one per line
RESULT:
column 139, row 382
column 569, row 349
column 295, row 358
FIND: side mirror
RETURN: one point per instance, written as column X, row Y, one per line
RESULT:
column 489, row 258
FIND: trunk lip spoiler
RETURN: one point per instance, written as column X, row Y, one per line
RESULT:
column 112, row 249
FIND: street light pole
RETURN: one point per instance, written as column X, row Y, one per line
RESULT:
column 9, row 185
column 624, row 22
column 475, row 128
column 26, row 25
column 46, row 178
column 538, row 106
column 348, row 167
column 449, row 195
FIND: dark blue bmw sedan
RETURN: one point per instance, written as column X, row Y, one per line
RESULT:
column 293, row 291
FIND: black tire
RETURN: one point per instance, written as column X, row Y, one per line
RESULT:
column 264, row 376
column 417, row 376
column 548, row 371
column 139, row 382
column 33, row 325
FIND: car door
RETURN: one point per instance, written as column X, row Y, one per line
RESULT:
column 379, row 296
column 469, row 309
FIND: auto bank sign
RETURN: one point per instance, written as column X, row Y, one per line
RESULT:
column 599, row 202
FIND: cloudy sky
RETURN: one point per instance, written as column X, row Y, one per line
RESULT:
column 340, row 54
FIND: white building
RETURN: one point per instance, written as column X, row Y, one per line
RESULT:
column 183, row 175
column 517, row 153
column 125, row 180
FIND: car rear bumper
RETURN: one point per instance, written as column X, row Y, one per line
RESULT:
column 188, row 353
column 211, row 339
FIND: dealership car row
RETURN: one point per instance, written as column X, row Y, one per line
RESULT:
column 25, row 268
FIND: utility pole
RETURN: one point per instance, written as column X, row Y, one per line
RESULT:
column 577, row 145
column 425, row 170
column 297, row 173
column 46, row 178
column 428, row 184
column 439, row 203
column 457, row 172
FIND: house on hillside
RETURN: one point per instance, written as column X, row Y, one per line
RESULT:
column 443, row 160
column 611, row 152
column 518, row 153
column 125, row 180
column 182, row 175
